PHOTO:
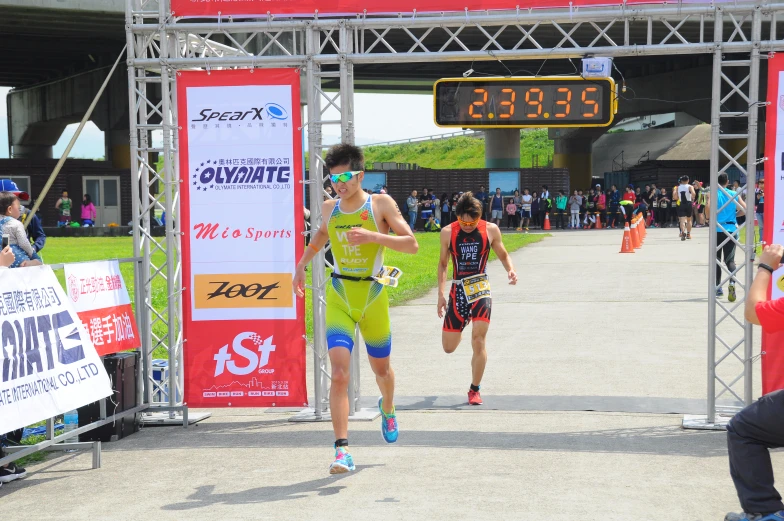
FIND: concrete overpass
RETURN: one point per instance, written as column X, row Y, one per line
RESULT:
column 59, row 51
column 57, row 55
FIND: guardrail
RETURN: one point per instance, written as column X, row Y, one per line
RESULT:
column 435, row 137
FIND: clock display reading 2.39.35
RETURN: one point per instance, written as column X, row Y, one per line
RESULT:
column 525, row 102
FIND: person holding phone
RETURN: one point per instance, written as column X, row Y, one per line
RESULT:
column 7, row 256
column 12, row 229
column 759, row 427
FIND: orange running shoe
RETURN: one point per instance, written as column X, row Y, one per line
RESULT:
column 474, row 398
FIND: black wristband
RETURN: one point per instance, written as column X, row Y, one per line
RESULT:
column 766, row 268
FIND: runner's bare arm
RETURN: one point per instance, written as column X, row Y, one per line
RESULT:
column 443, row 266
column 386, row 209
column 771, row 255
column 497, row 243
column 740, row 204
column 317, row 242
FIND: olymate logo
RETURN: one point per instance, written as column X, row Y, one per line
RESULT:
column 267, row 112
column 251, row 359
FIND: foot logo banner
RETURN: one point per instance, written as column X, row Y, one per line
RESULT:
column 242, row 218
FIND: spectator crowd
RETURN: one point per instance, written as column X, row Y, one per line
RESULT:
column 580, row 210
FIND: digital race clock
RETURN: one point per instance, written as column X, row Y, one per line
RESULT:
column 525, row 102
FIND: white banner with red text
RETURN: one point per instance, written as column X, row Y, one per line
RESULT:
column 48, row 364
column 100, row 297
column 243, row 220
column 773, row 344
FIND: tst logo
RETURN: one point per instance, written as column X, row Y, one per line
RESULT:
column 252, row 359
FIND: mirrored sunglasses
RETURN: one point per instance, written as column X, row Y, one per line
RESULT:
column 345, row 177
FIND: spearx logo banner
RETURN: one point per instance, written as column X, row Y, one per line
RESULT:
column 242, row 217
column 242, row 194
column 48, row 365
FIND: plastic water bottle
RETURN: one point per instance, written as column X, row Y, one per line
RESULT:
column 71, row 420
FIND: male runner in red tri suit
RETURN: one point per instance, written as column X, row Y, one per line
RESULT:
column 468, row 242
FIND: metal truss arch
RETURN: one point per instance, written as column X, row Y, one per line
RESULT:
column 737, row 35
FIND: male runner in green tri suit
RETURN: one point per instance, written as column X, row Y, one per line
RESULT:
column 357, row 225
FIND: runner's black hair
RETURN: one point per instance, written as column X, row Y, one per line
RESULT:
column 345, row 155
column 468, row 204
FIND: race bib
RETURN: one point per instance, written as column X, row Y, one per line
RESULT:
column 476, row 287
column 388, row 276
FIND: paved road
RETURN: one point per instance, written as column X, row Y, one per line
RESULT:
column 593, row 360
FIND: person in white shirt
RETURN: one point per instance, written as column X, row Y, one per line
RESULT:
column 575, row 202
column 526, row 209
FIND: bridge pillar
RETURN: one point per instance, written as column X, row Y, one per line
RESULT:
column 574, row 154
column 502, row 148
column 118, row 148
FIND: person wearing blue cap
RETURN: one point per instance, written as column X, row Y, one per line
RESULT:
column 35, row 231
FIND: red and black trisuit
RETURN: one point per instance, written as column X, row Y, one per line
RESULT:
column 469, row 258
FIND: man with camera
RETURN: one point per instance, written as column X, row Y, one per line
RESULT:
column 760, row 426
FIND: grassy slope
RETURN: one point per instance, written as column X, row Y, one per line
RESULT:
column 460, row 152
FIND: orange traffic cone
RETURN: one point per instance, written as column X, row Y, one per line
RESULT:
column 546, row 221
column 598, row 221
column 626, row 244
column 635, row 236
column 644, row 230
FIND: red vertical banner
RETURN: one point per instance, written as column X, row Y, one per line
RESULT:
column 773, row 343
column 242, row 219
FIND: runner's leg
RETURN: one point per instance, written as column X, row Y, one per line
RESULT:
column 340, row 359
column 385, row 378
column 454, row 321
column 479, row 358
column 450, row 340
column 375, row 329
column 340, row 342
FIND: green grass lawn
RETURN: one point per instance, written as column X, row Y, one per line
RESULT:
column 419, row 271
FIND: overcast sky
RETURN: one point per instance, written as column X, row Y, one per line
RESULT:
column 379, row 117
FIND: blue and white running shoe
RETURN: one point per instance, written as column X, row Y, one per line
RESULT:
column 343, row 462
column 388, row 424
